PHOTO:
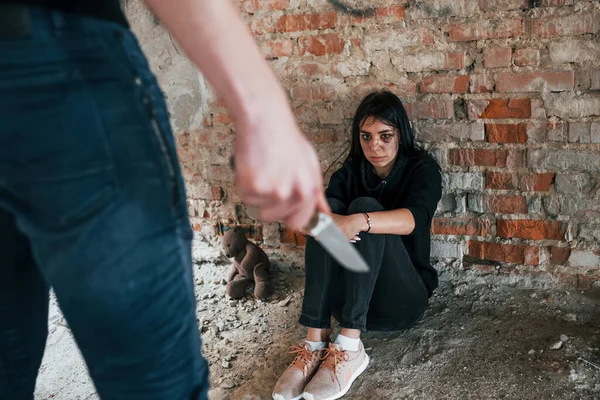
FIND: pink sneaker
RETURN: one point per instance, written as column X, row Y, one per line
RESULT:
column 336, row 374
column 293, row 380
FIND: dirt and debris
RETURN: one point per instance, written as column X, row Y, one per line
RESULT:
column 476, row 341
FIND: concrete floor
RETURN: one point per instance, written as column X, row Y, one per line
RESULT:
column 477, row 341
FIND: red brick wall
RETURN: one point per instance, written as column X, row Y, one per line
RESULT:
column 505, row 93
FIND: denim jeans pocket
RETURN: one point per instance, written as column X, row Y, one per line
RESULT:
column 55, row 157
column 141, row 87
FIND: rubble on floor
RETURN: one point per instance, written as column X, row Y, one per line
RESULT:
column 476, row 341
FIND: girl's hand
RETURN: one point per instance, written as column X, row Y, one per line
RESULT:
column 351, row 225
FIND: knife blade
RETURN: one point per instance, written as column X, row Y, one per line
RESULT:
column 332, row 238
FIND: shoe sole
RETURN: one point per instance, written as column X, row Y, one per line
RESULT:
column 361, row 369
column 280, row 397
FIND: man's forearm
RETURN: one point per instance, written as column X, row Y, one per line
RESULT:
column 215, row 38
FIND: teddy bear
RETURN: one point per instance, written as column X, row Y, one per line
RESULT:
column 250, row 263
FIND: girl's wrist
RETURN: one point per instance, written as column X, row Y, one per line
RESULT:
column 362, row 222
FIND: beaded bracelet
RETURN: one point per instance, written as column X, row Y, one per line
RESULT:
column 368, row 222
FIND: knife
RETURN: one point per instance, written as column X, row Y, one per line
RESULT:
column 329, row 235
column 332, row 238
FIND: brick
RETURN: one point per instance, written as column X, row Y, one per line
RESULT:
column 589, row 232
column 532, row 255
column 313, row 92
column 559, row 255
column 515, row 158
column 478, row 157
column 442, row 9
column 576, row 51
column 481, row 83
column 541, row 182
column 430, row 110
column 534, row 204
column 497, row 57
column 506, row 133
column 588, row 79
column 530, row 229
column 463, row 181
column 264, row 25
column 595, row 133
column 555, row 132
column 526, row 57
column 311, row 70
column 306, row 22
column 461, row 226
column 321, row 135
column 398, row 39
column 445, row 84
column 252, row 6
column 222, row 118
column 499, row 180
column 501, row 252
column 506, row 5
column 499, row 108
column 321, row 45
column 432, row 132
column 447, row 203
column 556, row 3
column 507, row 204
column 278, row 48
column 554, row 81
column 402, row 88
column 352, row 67
column 396, row 11
column 575, row 184
column 564, row 160
column 575, row 24
column 292, row 237
column 476, row 203
column 381, row 14
column 580, row 132
column 537, row 131
column 584, row 258
column 438, row 61
column 485, row 29
column 568, row 105
column 441, row 249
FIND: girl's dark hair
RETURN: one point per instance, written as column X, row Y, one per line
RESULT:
column 387, row 108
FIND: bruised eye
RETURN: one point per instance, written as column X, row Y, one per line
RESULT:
column 386, row 136
column 366, row 137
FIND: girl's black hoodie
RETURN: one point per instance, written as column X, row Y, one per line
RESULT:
column 414, row 184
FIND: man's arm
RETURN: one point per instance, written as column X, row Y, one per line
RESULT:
column 277, row 169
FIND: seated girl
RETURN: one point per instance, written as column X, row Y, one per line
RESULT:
column 383, row 198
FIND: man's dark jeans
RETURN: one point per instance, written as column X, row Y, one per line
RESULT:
column 390, row 297
column 92, row 204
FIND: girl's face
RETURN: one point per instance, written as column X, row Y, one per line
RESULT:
column 380, row 144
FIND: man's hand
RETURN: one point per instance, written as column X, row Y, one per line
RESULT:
column 277, row 169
